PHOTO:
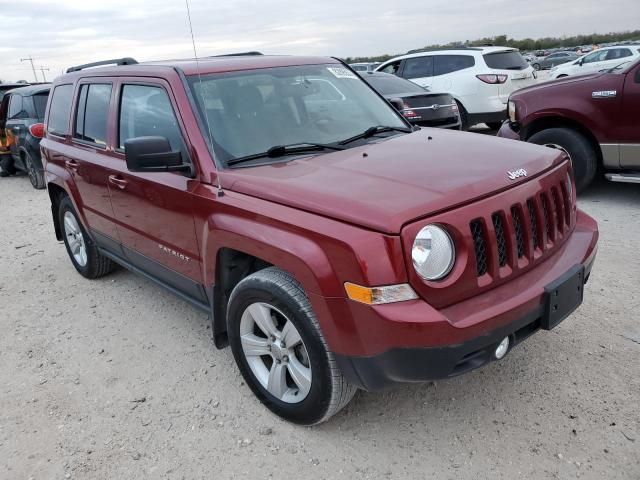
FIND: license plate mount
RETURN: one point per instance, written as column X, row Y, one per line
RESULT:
column 563, row 297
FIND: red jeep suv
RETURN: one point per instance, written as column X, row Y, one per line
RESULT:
column 334, row 246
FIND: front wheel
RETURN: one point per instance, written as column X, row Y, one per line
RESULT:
column 280, row 351
column 536, row 66
column 581, row 152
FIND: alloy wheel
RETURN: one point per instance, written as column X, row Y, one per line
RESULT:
column 31, row 171
column 275, row 352
column 75, row 239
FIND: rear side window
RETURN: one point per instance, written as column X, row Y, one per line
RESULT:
column 418, row 67
column 616, row 53
column 146, row 111
column 509, row 60
column 40, row 104
column 15, row 106
column 444, row 64
column 93, row 113
column 59, row 110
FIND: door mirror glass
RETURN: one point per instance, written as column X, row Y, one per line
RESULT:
column 152, row 154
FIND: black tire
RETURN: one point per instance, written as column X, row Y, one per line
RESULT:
column 494, row 125
column 562, row 76
column 329, row 391
column 36, row 177
column 96, row 265
column 464, row 117
column 6, row 163
column 581, row 151
column 536, row 66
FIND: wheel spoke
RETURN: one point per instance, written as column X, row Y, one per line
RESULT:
column 262, row 316
column 254, row 345
column 290, row 335
column 73, row 242
column 300, row 374
column 77, row 246
column 69, row 226
column 83, row 255
column 277, row 383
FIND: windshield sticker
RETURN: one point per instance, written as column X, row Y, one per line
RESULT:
column 341, row 72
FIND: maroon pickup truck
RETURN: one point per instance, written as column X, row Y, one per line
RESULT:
column 593, row 118
column 334, row 246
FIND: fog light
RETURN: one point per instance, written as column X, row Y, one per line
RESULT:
column 502, row 349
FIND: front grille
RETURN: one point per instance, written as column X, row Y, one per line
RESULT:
column 517, row 225
column 529, row 228
column 500, row 239
column 479, row 247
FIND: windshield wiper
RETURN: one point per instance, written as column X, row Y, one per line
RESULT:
column 371, row 131
column 283, row 150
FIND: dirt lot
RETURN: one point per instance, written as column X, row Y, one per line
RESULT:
column 117, row 379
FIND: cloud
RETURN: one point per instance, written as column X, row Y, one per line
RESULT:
column 68, row 32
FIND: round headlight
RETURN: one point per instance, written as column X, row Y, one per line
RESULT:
column 433, row 253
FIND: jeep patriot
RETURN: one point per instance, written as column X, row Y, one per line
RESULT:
column 334, row 246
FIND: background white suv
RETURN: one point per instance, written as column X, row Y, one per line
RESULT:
column 479, row 78
column 601, row 59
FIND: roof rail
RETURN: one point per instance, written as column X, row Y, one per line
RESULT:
column 115, row 61
column 240, row 54
column 437, row 49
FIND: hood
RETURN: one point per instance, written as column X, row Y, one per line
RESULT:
column 544, row 86
column 384, row 185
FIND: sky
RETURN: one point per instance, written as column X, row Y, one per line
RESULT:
column 62, row 33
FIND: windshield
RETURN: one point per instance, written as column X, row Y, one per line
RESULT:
column 248, row 112
column 508, row 60
column 392, row 85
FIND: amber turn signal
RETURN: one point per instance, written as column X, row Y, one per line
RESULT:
column 379, row 295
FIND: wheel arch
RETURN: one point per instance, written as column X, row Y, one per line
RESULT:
column 245, row 250
column 547, row 122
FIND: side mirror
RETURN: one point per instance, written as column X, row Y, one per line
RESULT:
column 397, row 103
column 153, row 154
column 581, row 61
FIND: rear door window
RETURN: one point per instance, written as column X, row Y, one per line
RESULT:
column 93, row 113
column 444, row 64
column 60, row 109
column 40, row 104
column 617, row 53
column 509, row 60
column 418, row 67
column 146, row 111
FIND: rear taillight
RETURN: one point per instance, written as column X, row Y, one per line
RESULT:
column 407, row 112
column 493, row 79
column 37, row 130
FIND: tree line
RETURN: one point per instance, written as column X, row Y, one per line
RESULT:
column 525, row 44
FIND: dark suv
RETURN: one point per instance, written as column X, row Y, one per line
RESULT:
column 21, row 117
column 335, row 247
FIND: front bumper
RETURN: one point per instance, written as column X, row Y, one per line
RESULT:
column 462, row 337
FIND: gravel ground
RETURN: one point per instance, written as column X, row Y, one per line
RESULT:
column 115, row 378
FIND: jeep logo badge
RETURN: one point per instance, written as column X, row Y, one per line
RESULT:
column 517, row 174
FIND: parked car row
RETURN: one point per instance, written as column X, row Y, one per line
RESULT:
column 602, row 59
column 480, row 79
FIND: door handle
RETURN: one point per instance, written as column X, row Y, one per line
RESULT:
column 71, row 165
column 118, row 181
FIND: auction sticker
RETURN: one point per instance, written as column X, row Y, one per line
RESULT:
column 341, row 72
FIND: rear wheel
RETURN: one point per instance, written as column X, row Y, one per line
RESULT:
column 36, row 177
column 279, row 348
column 84, row 254
column 584, row 158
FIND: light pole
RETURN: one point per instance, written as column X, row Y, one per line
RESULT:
column 42, row 70
column 30, row 59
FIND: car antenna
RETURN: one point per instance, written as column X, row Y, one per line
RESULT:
column 206, row 116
